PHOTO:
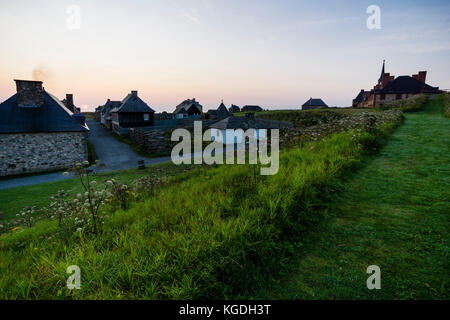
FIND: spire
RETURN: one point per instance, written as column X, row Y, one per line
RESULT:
column 382, row 72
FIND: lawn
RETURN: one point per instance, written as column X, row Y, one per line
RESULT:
column 393, row 213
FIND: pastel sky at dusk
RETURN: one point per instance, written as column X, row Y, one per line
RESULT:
column 276, row 54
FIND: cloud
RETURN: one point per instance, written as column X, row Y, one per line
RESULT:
column 189, row 15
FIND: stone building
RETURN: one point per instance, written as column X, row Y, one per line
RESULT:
column 38, row 133
column 389, row 88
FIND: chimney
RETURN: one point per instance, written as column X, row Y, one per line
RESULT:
column 134, row 93
column 422, row 76
column 69, row 102
column 29, row 93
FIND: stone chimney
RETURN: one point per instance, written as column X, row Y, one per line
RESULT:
column 29, row 93
column 421, row 76
column 69, row 102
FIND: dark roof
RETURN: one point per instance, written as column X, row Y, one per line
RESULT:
column 234, row 108
column 212, row 112
column 53, row 116
column 222, row 112
column 314, row 103
column 362, row 95
column 244, row 123
column 251, row 108
column 407, row 84
column 109, row 105
column 381, row 75
column 132, row 103
column 187, row 104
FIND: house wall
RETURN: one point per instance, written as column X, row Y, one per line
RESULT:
column 390, row 97
column 38, row 152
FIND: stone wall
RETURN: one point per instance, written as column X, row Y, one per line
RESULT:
column 38, row 152
column 153, row 140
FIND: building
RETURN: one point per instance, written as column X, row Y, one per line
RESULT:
column 250, row 108
column 222, row 112
column 132, row 113
column 188, row 108
column 389, row 88
column 38, row 133
column 234, row 109
column 226, row 130
column 314, row 104
column 105, row 112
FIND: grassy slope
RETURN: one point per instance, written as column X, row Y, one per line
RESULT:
column 393, row 213
column 213, row 234
column 13, row 200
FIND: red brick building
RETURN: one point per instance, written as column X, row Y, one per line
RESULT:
column 390, row 89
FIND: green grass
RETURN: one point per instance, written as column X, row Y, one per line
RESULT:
column 225, row 232
column 14, row 199
column 92, row 154
column 393, row 213
column 217, row 233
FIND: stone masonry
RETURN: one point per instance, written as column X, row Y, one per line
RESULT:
column 39, row 152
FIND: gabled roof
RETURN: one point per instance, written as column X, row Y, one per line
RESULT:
column 407, row 84
column 132, row 103
column 109, row 105
column 53, row 116
column 187, row 104
column 234, row 108
column 314, row 103
column 362, row 95
column 251, row 108
column 222, row 111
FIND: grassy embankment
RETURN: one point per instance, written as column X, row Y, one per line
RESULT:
column 217, row 233
column 13, row 200
column 393, row 213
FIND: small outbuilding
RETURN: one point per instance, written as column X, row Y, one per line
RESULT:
column 188, row 108
column 314, row 104
column 132, row 113
column 234, row 108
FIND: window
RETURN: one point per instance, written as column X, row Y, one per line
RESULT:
column 146, row 117
column 398, row 96
column 383, row 96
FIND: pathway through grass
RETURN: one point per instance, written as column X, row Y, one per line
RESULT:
column 394, row 213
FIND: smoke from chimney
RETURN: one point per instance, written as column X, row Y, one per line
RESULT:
column 41, row 73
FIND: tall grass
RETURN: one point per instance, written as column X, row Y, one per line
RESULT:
column 216, row 233
column 446, row 102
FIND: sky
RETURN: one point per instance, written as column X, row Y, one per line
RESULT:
column 272, row 53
